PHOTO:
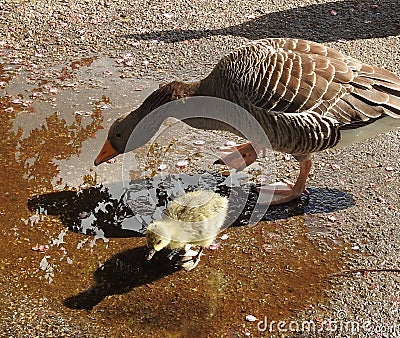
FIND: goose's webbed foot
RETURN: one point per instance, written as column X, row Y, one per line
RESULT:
column 285, row 191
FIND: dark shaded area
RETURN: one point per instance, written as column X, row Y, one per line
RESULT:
column 120, row 274
column 73, row 207
column 354, row 20
column 118, row 211
column 319, row 200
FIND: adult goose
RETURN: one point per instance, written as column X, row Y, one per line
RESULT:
column 307, row 97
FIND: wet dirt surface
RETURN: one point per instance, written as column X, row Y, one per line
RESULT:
column 71, row 246
column 72, row 237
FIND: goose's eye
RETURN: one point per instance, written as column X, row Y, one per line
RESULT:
column 118, row 135
column 159, row 241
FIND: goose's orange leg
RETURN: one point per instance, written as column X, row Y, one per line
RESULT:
column 239, row 156
column 286, row 191
column 243, row 155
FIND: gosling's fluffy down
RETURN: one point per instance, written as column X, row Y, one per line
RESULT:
column 194, row 218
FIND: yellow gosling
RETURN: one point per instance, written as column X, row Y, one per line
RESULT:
column 194, row 218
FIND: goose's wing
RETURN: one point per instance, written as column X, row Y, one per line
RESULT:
column 294, row 76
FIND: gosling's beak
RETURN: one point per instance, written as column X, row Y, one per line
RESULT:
column 150, row 254
column 106, row 153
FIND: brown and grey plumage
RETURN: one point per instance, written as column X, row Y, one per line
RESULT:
column 307, row 97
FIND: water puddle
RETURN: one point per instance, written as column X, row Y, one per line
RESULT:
column 73, row 233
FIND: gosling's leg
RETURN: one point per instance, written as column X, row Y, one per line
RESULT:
column 190, row 261
column 286, row 191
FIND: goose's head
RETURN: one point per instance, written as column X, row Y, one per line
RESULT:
column 158, row 237
column 135, row 129
column 116, row 142
column 127, row 133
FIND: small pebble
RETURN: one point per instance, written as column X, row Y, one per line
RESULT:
column 268, row 247
column 332, row 218
column 262, row 179
column 199, row 142
column 36, row 94
column 251, row 318
column 83, row 113
column 83, row 215
column 230, row 143
column 214, row 246
column 181, row 164
column 335, row 166
column 40, row 247
column 381, row 199
column 273, row 235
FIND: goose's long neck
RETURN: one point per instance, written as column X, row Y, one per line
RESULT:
column 202, row 112
column 147, row 119
column 212, row 106
column 167, row 93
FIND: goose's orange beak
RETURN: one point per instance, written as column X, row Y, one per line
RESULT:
column 106, row 153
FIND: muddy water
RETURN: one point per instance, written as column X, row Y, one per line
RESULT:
column 72, row 233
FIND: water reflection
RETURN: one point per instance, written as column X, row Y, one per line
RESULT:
column 124, row 210
column 260, row 270
column 28, row 164
column 43, row 149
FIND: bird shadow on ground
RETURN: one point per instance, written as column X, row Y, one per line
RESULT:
column 331, row 21
column 120, row 274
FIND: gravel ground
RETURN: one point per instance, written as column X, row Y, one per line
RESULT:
column 165, row 40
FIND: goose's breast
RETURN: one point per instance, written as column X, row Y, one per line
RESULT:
column 383, row 125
